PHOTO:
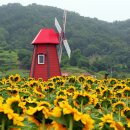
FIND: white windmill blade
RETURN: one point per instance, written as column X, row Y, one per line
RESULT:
column 67, row 47
column 64, row 20
column 58, row 27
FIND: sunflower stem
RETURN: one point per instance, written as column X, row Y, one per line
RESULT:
column 43, row 124
column 119, row 114
column 71, row 123
column 127, row 101
column 3, row 124
column 82, row 105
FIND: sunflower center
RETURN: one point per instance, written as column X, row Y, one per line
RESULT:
column 16, row 108
column 81, row 79
column 127, row 113
column 106, row 93
column 81, row 98
column 106, row 103
column 119, row 107
column 127, row 93
column 61, row 93
column 107, row 127
column 16, row 79
column 38, row 116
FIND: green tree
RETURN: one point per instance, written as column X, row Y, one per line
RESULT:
column 75, row 57
column 24, row 57
column 8, row 60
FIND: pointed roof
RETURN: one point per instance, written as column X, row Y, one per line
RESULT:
column 46, row 35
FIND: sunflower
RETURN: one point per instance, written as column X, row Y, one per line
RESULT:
column 47, row 125
column 44, row 103
column 3, row 81
column 18, row 120
column 81, row 79
column 118, row 94
column 119, row 106
column 2, row 107
column 25, row 85
column 106, row 103
column 128, row 83
column 34, row 115
column 68, row 109
column 31, row 102
column 30, row 79
column 98, row 90
column 1, row 100
column 127, row 79
column 86, row 87
column 61, row 93
column 126, row 92
column 87, row 121
column 56, row 126
column 49, row 86
column 56, row 112
column 118, row 87
column 40, row 80
column 94, row 99
column 16, row 105
column 113, row 81
column 60, row 82
column 70, row 90
column 59, row 99
column 106, row 93
column 90, row 80
column 103, row 81
column 17, row 78
column 54, row 79
column 72, row 79
column 24, row 93
column 128, row 122
column 11, row 78
column 33, row 83
column 38, row 92
column 107, row 122
column 126, row 112
column 13, row 91
column 10, row 117
column 14, row 78
column 37, row 114
column 80, row 97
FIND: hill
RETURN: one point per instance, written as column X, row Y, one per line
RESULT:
column 96, row 45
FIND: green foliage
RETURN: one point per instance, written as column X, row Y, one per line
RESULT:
column 74, row 60
column 24, row 58
column 8, row 60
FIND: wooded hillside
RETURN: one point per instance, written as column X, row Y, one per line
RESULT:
column 96, row 45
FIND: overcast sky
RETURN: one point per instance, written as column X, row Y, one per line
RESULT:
column 107, row 10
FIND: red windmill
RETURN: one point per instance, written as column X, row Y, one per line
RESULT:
column 45, row 60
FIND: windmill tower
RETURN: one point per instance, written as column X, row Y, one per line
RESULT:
column 45, row 58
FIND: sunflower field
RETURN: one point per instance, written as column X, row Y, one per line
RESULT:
column 64, row 103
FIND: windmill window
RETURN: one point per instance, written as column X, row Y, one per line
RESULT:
column 41, row 59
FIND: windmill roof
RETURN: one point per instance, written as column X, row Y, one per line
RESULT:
column 46, row 35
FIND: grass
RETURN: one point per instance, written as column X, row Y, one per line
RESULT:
column 22, row 72
column 71, row 70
